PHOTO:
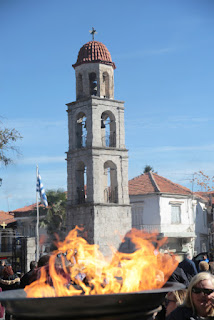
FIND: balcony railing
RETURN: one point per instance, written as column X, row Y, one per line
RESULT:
column 81, row 195
column 178, row 230
column 109, row 140
column 111, row 195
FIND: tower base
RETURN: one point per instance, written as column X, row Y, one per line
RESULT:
column 104, row 225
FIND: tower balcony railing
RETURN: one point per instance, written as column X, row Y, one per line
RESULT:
column 111, row 195
column 81, row 195
column 109, row 140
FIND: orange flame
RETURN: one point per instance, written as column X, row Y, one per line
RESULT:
column 78, row 267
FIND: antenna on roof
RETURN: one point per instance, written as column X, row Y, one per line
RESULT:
column 92, row 32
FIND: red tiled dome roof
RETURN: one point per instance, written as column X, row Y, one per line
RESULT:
column 94, row 51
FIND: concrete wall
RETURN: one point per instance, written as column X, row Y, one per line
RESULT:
column 201, row 243
column 104, row 225
column 31, row 250
column 145, row 209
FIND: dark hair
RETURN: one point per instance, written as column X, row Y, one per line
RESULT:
column 43, row 261
column 7, row 271
column 33, row 265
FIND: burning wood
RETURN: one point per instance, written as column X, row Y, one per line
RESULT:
column 78, row 267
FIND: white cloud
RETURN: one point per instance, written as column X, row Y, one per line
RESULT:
column 41, row 160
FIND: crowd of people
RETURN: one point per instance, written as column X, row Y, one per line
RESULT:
column 10, row 280
column 195, row 302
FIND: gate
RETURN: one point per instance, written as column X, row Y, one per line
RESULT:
column 19, row 254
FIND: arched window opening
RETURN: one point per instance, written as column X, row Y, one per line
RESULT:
column 93, row 84
column 81, row 181
column 108, row 130
column 106, row 84
column 110, row 183
column 81, row 131
column 79, row 86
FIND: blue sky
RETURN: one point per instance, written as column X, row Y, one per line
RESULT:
column 164, row 53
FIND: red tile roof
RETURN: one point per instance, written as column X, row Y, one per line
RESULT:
column 6, row 217
column 25, row 209
column 94, row 51
column 208, row 196
column 152, row 183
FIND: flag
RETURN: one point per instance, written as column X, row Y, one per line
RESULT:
column 41, row 190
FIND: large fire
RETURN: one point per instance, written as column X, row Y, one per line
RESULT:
column 78, row 267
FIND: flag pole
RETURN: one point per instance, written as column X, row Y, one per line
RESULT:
column 37, row 219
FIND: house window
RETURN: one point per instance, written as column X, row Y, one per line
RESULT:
column 137, row 217
column 175, row 214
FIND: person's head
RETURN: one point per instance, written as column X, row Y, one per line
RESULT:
column 7, row 271
column 2, row 263
column 43, row 261
column 200, row 293
column 174, row 299
column 203, row 266
column 188, row 255
column 33, row 265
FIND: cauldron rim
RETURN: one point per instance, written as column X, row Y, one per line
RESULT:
column 20, row 294
column 84, row 307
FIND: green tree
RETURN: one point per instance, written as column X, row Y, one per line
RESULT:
column 8, row 137
column 54, row 220
column 148, row 168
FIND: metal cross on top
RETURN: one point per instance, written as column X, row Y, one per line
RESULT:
column 93, row 32
column 3, row 225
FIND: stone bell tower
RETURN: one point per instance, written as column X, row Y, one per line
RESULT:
column 97, row 160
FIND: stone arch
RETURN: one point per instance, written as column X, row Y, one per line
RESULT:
column 108, row 129
column 106, row 86
column 110, row 182
column 79, row 86
column 81, row 182
column 81, row 130
column 93, row 83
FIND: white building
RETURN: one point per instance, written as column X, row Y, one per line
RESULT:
column 170, row 209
